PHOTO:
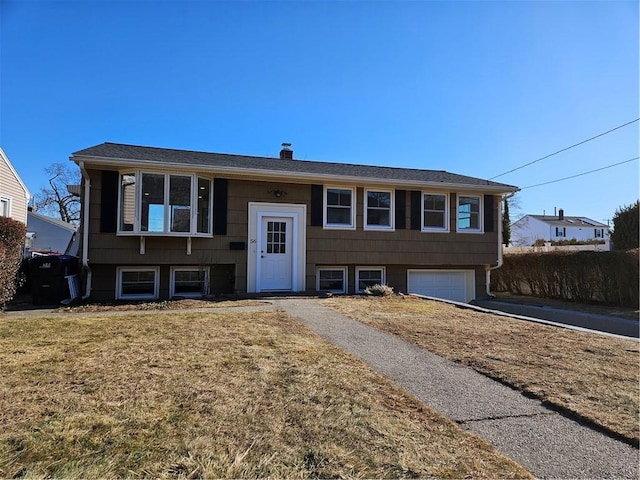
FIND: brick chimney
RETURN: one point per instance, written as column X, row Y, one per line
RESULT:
column 561, row 214
column 286, row 153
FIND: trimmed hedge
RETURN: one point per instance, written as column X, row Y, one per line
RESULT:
column 12, row 235
column 609, row 278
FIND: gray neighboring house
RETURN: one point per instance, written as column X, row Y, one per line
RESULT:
column 50, row 236
column 164, row 223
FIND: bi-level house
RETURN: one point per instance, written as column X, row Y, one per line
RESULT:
column 14, row 195
column 162, row 223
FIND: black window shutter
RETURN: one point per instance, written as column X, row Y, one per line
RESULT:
column 108, row 202
column 220, row 194
column 416, row 206
column 401, row 208
column 317, row 200
column 489, row 206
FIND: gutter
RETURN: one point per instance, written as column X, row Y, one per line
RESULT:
column 500, row 259
column 85, row 231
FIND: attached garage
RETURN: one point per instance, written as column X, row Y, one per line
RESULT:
column 456, row 285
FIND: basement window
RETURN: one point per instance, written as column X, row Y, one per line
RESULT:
column 369, row 276
column 188, row 282
column 137, row 283
column 331, row 279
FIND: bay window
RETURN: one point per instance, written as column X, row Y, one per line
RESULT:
column 164, row 204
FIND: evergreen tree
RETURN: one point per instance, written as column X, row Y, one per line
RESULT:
column 625, row 227
column 506, row 224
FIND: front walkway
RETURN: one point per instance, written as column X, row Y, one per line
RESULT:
column 543, row 441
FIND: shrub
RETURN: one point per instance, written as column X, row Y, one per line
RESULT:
column 378, row 290
column 12, row 235
column 610, row 278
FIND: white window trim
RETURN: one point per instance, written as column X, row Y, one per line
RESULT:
column 7, row 199
column 172, row 282
column 480, row 228
column 392, row 209
column 383, row 276
column 344, row 271
column 156, row 286
column 447, row 201
column 339, row 226
column 137, row 231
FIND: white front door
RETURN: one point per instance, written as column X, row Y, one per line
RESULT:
column 276, row 253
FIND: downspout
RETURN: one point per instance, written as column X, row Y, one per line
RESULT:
column 500, row 260
column 85, row 231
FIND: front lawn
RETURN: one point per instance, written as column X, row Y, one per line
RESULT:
column 595, row 377
column 189, row 395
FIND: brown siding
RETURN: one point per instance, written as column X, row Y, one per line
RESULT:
column 397, row 250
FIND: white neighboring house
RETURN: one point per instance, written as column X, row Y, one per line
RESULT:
column 551, row 228
column 47, row 235
column 14, row 195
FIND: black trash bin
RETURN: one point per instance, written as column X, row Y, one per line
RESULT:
column 52, row 278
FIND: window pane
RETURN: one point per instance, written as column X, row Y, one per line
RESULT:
column 276, row 237
column 367, row 278
column 378, row 217
column 339, row 215
column 433, row 220
column 4, row 208
column 127, row 202
column 434, row 202
column 204, row 194
column 331, row 280
column 180, row 203
column 379, row 199
column 138, row 283
column 152, row 203
column 189, row 282
column 336, row 196
column 469, row 213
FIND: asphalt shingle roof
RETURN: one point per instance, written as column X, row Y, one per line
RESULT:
column 568, row 221
column 133, row 153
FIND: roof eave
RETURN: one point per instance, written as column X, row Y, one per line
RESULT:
column 294, row 177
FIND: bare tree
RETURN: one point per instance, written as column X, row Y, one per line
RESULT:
column 56, row 200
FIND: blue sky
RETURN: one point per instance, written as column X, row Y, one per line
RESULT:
column 475, row 88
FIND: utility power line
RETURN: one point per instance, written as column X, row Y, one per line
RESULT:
column 581, row 174
column 567, row 148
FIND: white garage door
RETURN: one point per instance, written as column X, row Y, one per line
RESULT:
column 457, row 285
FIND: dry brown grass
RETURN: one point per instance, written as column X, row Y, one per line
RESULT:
column 595, row 377
column 185, row 395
